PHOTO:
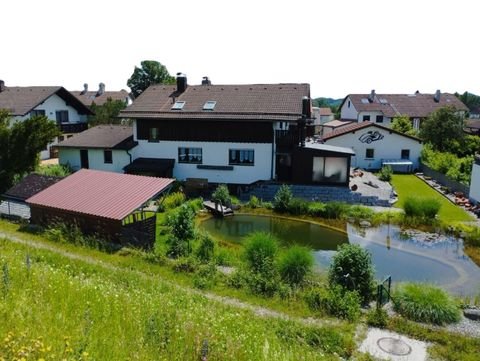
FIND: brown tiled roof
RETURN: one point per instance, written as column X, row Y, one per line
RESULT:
column 325, row 111
column 259, row 101
column 413, row 105
column 91, row 96
column 357, row 126
column 102, row 136
column 30, row 185
column 21, row 100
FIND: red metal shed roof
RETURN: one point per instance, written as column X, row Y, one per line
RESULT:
column 102, row 194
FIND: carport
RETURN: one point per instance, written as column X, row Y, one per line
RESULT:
column 107, row 204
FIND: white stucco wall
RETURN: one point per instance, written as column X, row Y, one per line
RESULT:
column 475, row 183
column 389, row 147
column 348, row 112
column 373, row 118
column 213, row 153
column 71, row 157
column 51, row 105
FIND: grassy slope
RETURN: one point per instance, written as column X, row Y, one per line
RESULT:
column 85, row 311
column 408, row 185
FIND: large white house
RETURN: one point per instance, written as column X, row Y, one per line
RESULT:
column 55, row 102
column 375, row 145
column 475, row 181
column 382, row 108
column 235, row 134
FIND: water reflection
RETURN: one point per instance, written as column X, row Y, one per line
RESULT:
column 405, row 258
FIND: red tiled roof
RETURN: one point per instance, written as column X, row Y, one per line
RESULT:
column 414, row 105
column 21, row 100
column 256, row 101
column 356, row 126
column 102, row 194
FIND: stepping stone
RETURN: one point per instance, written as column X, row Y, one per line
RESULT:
column 386, row 345
column 472, row 314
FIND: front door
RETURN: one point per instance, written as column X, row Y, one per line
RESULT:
column 84, row 158
column 284, row 167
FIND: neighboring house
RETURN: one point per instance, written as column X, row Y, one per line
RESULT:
column 236, row 134
column 382, row 108
column 104, row 147
column 475, row 181
column 12, row 202
column 100, row 96
column 55, row 102
column 321, row 116
column 375, row 145
column 334, row 125
column 472, row 126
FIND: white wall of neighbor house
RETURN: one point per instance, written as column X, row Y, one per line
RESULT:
column 348, row 111
column 390, row 146
column 475, row 183
column 213, row 154
column 374, row 117
column 51, row 106
column 96, row 160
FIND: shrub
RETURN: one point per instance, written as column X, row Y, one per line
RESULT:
column 297, row 206
column 426, row 208
column 426, row 303
column 335, row 301
column 377, row 317
column 182, row 231
column 173, row 200
column 195, row 204
column 221, row 194
column 254, row 202
column 206, row 248
column 334, row 210
column 57, row 170
column 295, row 264
column 316, row 209
column 205, row 276
column 352, row 269
column 185, row 265
column 360, row 212
column 282, row 199
column 260, row 252
column 237, row 279
column 385, row 174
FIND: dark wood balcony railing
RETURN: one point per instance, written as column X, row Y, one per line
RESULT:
column 286, row 139
column 73, row 127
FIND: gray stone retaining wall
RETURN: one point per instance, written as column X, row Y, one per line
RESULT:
column 451, row 184
column 266, row 192
column 15, row 209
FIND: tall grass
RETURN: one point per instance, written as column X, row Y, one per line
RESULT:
column 84, row 311
column 426, row 303
column 426, row 208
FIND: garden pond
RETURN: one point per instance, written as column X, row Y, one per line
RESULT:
column 440, row 261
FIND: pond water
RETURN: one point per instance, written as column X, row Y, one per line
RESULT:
column 442, row 262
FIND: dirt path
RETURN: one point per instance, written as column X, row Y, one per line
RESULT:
column 257, row 310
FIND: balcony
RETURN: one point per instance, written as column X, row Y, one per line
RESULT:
column 73, row 127
column 286, row 139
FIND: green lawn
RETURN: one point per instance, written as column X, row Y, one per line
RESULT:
column 409, row 185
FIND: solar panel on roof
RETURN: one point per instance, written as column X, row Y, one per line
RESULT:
column 365, row 101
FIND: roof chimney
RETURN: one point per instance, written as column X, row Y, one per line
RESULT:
column 85, row 89
column 101, row 89
column 206, row 81
column 437, row 96
column 181, row 82
column 2, row 86
column 306, row 107
column 371, row 97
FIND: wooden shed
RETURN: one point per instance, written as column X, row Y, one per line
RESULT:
column 101, row 203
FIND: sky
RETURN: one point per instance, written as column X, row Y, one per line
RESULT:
column 337, row 46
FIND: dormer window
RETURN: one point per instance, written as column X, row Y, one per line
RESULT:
column 209, row 105
column 178, row 105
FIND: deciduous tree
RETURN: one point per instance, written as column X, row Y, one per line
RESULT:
column 150, row 72
column 20, row 145
column 106, row 113
column 403, row 125
column 443, row 129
